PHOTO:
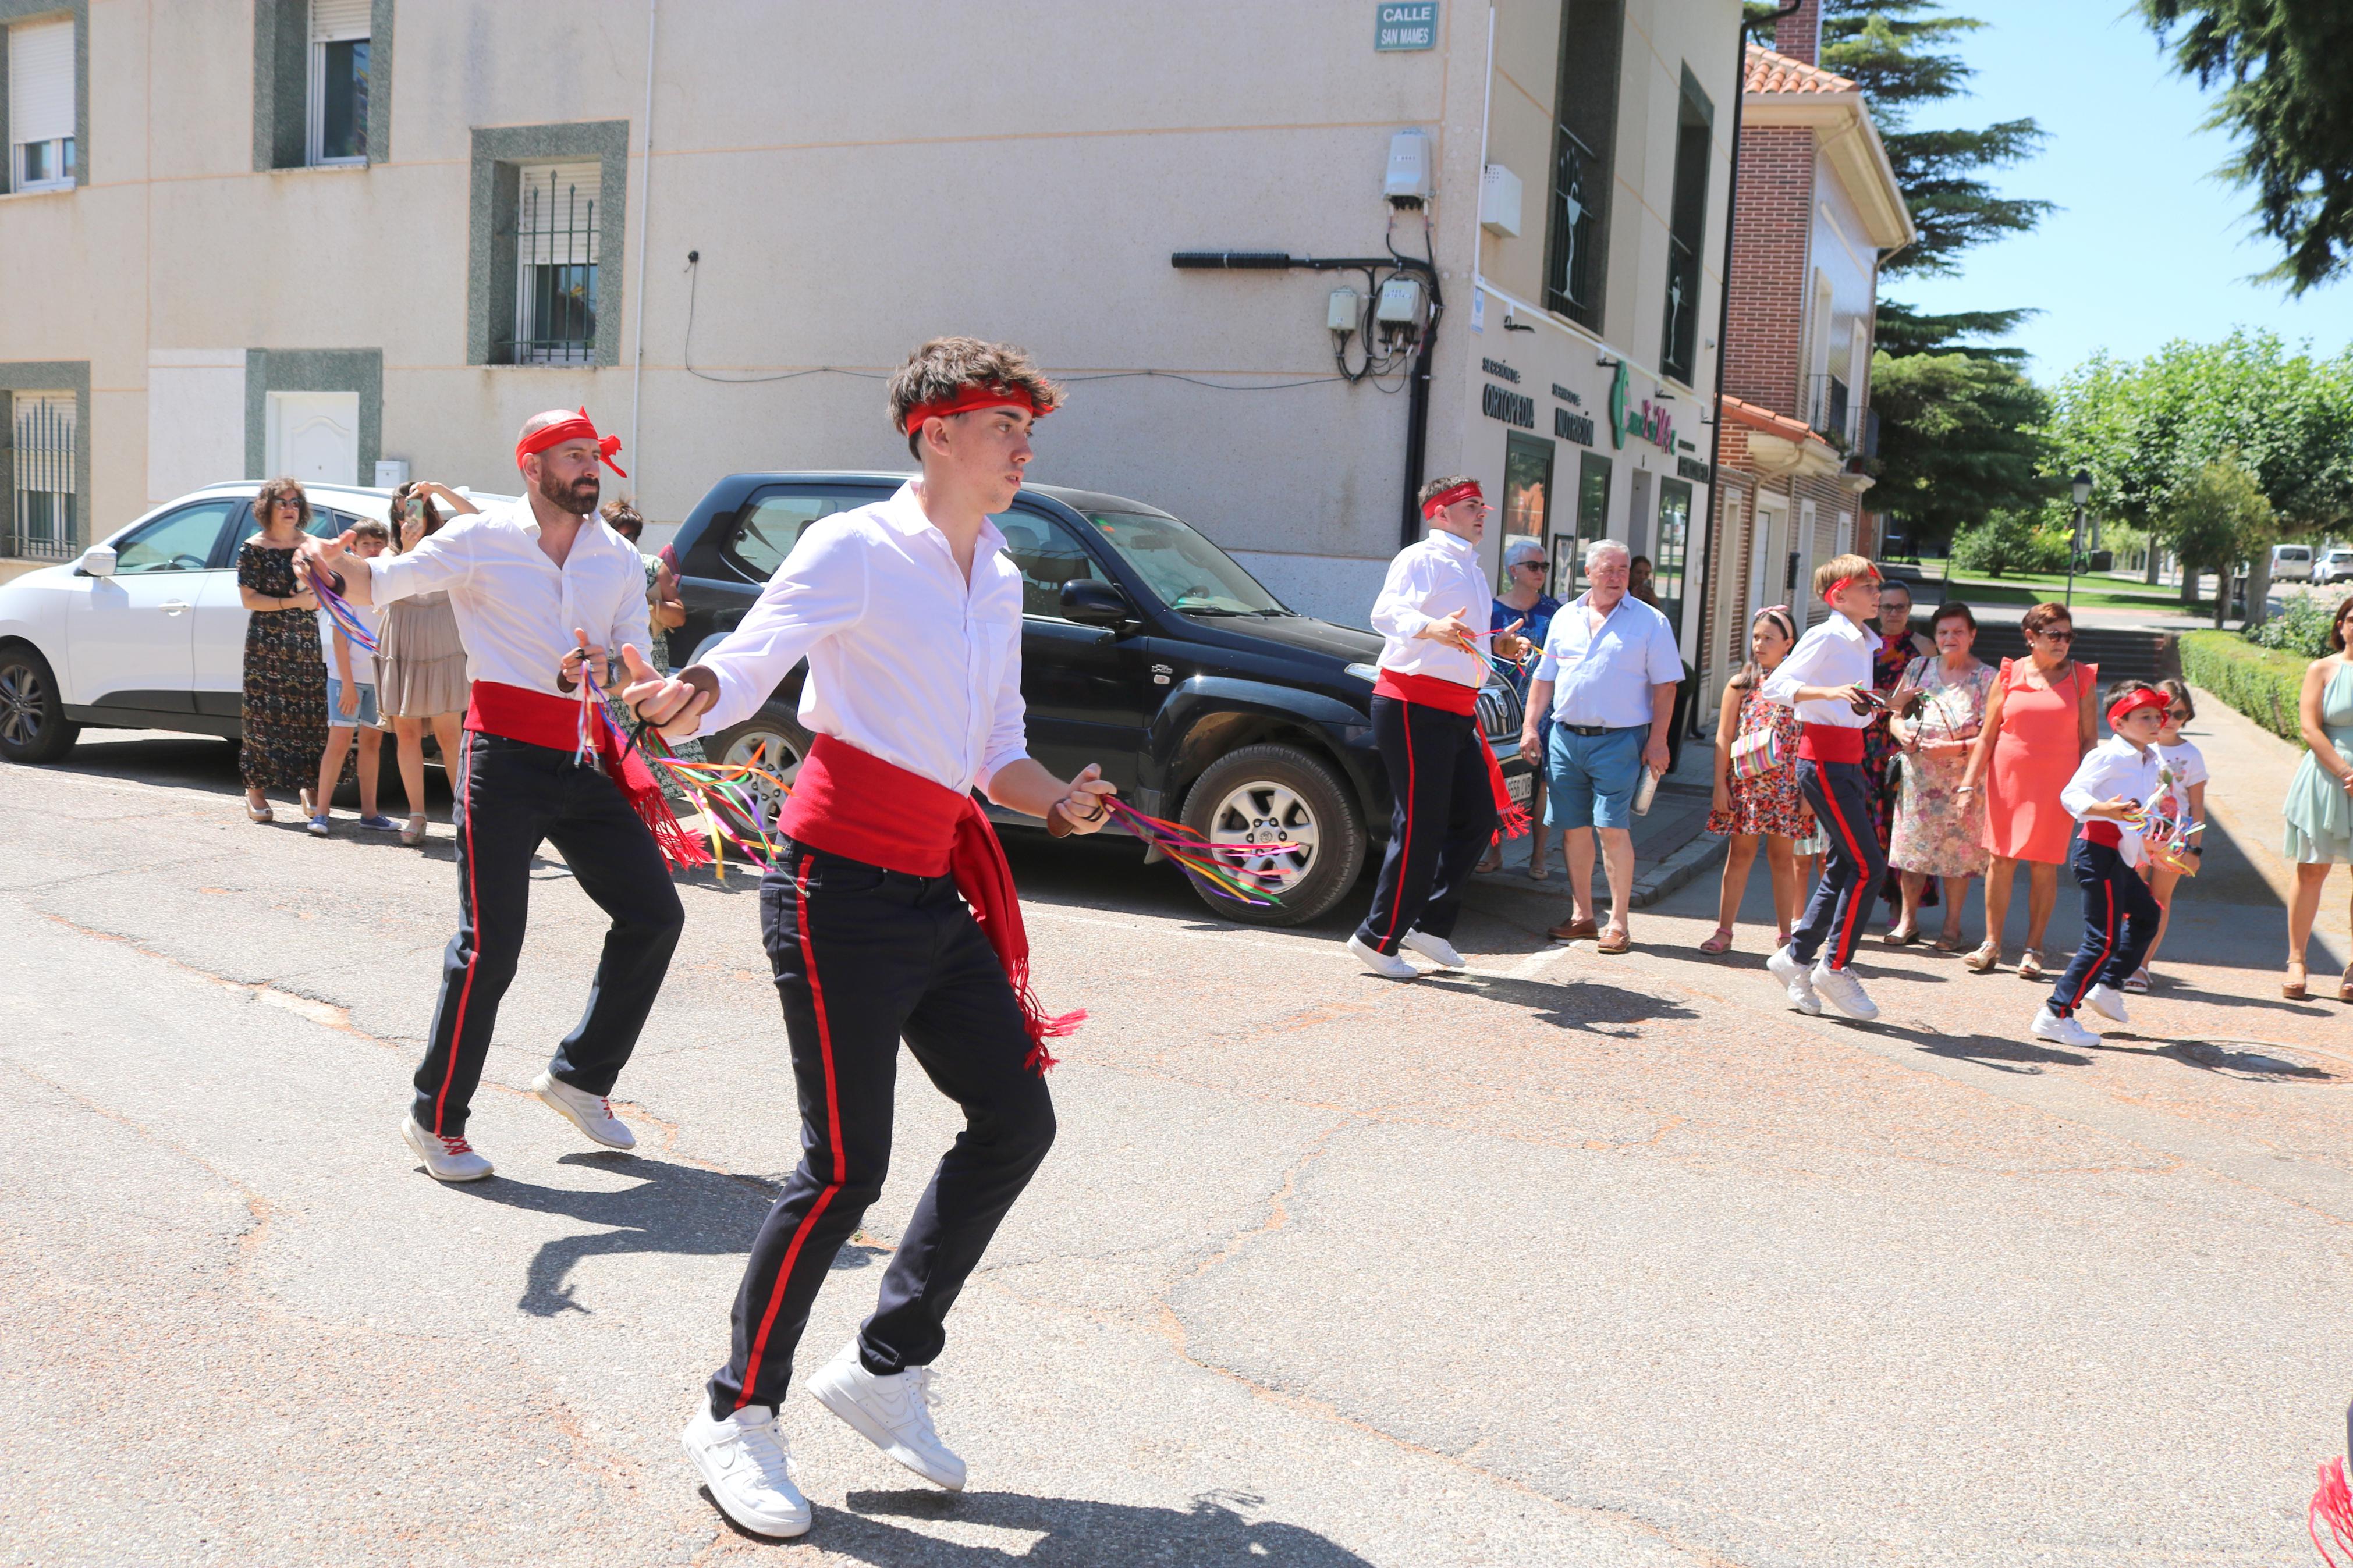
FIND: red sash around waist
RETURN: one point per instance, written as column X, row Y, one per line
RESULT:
column 1831, row 744
column 852, row 804
column 544, row 719
column 1453, row 697
column 2100, row 830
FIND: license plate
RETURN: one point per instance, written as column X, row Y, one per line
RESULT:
column 1520, row 787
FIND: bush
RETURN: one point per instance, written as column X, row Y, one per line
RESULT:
column 2260, row 683
column 2302, row 628
column 2010, row 541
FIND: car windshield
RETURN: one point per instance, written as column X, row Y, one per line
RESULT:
column 1183, row 569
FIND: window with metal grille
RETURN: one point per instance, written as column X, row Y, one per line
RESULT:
column 1585, row 125
column 1686, row 234
column 338, row 100
column 555, row 264
column 42, row 511
column 41, row 105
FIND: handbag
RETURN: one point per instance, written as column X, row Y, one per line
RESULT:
column 1757, row 753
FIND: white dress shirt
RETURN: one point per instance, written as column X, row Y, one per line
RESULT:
column 1835, row 653
column 907, row 661
column 1431, row 579
column 2116, row 769
column 516, row 609
column 1605, row 677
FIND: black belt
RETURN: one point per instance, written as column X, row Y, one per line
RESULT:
column 1585, row 729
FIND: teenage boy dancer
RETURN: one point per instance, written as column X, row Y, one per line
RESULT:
column 2120, row 914
column 911, row 619
column 1827, row 679
column 1446, row 782
column 530, row 581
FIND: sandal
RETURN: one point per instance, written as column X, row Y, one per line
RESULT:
column 1897, row 936
column 2030, row 965
column 262, row 813
column 1950, row 941
column 415, row 830
column 2293, row 987
column 2344, row 985
column 1539, row 873
column 1720, row 942
column 2138, row 983
column 1985, row 960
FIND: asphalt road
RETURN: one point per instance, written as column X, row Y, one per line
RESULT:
column 1567, row 1260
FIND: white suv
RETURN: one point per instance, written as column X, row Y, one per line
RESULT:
column 2336, row 566
column 145, row 631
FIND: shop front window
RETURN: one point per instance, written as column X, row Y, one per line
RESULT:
column 1674, row 536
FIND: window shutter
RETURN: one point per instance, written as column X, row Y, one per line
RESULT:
column 333, row 21
column 41, row 81
column 556, row 223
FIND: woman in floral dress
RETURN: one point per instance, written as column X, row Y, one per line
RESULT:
column 284, row 715
column 1768, row 808
column 1939, row 832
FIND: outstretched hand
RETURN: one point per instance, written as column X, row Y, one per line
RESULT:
column 1452, row 630
column 656, row 699
column 1509, row 645
column 316, row 554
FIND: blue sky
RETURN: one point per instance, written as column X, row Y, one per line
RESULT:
column 2149, row 246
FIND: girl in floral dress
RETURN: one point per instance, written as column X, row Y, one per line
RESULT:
column 1766, row 808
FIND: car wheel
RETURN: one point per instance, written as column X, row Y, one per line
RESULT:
column 32, row 725
column 1284, row 815
column 778, row 744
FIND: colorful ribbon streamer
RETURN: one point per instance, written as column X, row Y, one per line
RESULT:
column 2332, row 1505
column 339, row 610
column 743, row 822
column 1215, row 869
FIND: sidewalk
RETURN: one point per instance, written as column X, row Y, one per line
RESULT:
column 1671, row 845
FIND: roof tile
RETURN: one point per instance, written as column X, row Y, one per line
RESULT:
column 1770, row 72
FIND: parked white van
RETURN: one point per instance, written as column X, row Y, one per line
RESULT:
column 2291, row 563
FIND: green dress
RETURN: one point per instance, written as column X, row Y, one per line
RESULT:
column 2319, row 813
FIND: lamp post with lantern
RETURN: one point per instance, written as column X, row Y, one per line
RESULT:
column 2082, row 486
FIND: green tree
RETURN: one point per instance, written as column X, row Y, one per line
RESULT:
column 2010, row 540
column 2280, row 65
column 1959, row 439
column 2218, row 517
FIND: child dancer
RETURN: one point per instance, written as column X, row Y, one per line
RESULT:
column 1828, row 679
column 1765, row 807
column 2185, row 767
column 2116, row 779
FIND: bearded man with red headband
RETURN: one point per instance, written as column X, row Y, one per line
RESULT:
column 538, row 585
column 1448, row 787
column 910, row 616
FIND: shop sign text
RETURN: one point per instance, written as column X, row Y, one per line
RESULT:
column 1577, row 427
column 1696, row 472
column 1406, row 26
column 1511, row 408
column 1498, row 369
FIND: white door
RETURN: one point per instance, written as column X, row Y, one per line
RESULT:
column 131, row 639
column 314, row 437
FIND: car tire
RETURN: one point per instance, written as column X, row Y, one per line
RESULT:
column 778, row 734
column 1281, row 789
column 33, row 723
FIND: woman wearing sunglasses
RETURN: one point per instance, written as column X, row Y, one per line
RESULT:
column 2041, row 719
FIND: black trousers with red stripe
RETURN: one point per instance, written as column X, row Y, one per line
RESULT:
column 510, row 797
column 863, row 958
column 1852, row 868
column 1441, row 822
column 2120, row 919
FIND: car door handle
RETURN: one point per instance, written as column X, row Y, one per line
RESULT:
column 172, row 606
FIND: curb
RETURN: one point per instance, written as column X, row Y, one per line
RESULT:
column 1652, row 884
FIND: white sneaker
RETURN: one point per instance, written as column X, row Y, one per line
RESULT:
column 1842, row 991
column 892, row 1412
column 1436, row 948
column 1795, row 980
column 2107, row 1002
column 446, row 1159
column 745, row 1462
column 1380, row 962
column 591, row 1113
column 2058, row 1031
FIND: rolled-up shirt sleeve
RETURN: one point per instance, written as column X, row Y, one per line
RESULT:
column 1008, row 732
column 1665, row 660
column 1396, row 611
column 820, row 588
column 440, row 562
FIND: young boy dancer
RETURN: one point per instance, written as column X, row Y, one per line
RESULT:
column 1445, row 782
column 911, row 619
column 1827, row 679
column 2120, row 914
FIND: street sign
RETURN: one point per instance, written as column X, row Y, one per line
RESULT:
column 1407, row 27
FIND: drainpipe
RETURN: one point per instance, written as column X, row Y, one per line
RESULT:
column 645, row 197
column 1723, row 318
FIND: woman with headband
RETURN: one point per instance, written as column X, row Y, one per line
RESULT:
column 1759, row 802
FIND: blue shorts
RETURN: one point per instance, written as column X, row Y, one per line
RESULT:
column 339, row 720
column 1589, row 780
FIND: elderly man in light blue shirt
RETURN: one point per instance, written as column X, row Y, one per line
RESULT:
column 1608, row 675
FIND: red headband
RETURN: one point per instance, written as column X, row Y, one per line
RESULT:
column 966, row 398
column 1843, row 584
column 578, row 428
column 2132, row 702
column 1467, row 490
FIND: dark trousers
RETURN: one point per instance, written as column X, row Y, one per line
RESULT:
column 1839, row 794
column 512, row 796
column 1443, row 819
column 2120, row 916
column 863, row 958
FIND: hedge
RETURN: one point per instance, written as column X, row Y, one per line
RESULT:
column 2260, row 683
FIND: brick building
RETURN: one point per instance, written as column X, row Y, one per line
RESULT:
column 1817, row 208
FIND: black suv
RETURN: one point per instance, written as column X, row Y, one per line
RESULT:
column 1145, row 649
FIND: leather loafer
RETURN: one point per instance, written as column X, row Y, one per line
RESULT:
column 1573, row 929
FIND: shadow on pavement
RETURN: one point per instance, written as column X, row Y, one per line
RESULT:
column 1987, row 1050
column 1581, row 1004
column 1211, row 1534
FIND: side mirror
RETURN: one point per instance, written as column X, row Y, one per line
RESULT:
column 98, row 561
column 1094, row 603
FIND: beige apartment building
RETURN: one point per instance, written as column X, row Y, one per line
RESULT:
column 349, row 238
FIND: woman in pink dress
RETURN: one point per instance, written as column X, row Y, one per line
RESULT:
column 2041, row 719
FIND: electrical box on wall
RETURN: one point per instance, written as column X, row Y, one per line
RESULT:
column 1403, row 309
column 391, row 473
column 1499, row 202
column 1344, row 312
column 1407, row 185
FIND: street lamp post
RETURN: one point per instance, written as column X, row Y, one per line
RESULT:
column 2082, row 486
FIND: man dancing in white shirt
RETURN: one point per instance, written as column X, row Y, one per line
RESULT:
column 529, row 583
column 911, row 619
column 1445, row 782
